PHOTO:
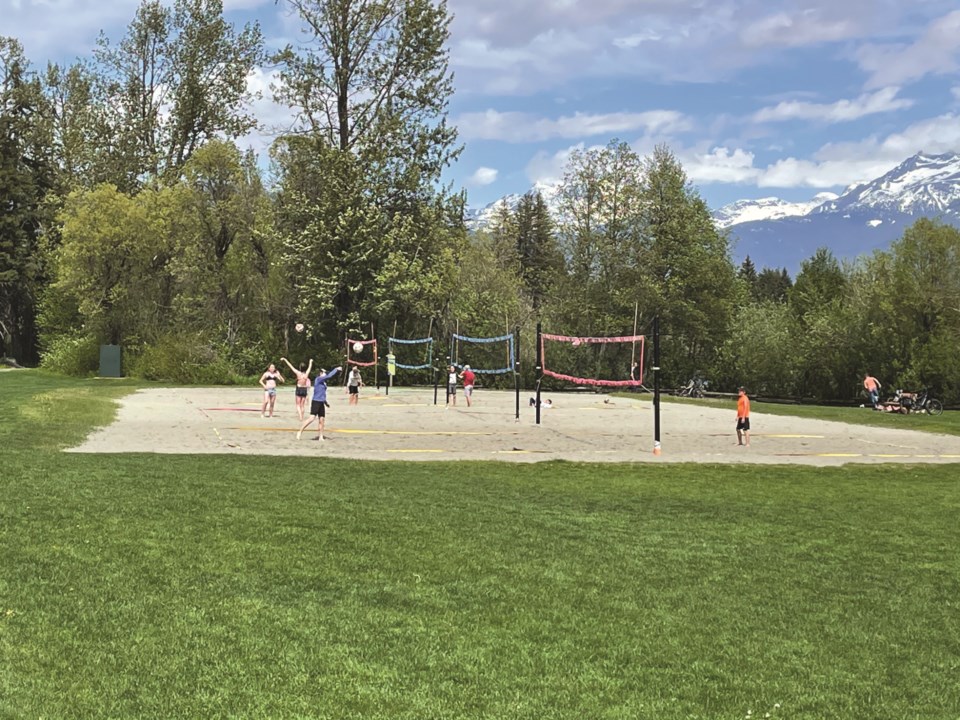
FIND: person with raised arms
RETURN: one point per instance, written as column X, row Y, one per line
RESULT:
column 318, row 406
column 303, row 385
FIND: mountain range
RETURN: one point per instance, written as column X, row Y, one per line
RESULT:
column 865, row 217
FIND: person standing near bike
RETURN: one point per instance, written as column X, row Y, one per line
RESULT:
column 872, row 386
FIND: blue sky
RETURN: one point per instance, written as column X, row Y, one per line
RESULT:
column 756, row 97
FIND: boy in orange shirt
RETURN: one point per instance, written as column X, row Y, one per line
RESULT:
column 743, row 418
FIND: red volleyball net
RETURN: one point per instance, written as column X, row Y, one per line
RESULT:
column 367, row 355
column 595, row 357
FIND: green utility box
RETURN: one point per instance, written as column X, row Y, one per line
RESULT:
column 110, row 361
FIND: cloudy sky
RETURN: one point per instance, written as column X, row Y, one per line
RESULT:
column 756, row 97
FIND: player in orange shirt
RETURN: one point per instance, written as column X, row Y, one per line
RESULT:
column 872, row 386
column 743, row 418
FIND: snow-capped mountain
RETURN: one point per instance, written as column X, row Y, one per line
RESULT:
column 477, row 219
column 769, row 208
column 921, row 185
column 863, row 218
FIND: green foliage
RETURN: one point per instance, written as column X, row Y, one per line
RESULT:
column 820, row 282
column 177, row 80
column 183, row 358
column 689, row 264
column 761, row 349
column 27, row 174
column 373, row 81
column 76, row 354
column 772, row 285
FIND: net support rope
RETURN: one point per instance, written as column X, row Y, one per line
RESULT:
column 351, row 342
column 578, row 341
column 500, row 338
column 421, row 341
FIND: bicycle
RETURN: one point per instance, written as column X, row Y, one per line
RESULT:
column 696, row 388
column 921, row 402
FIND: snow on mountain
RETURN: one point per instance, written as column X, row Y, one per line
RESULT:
column 477, row 219
column 921, row 185
column 770, row 208
column 863, row 218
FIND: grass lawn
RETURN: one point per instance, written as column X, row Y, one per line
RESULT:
column 245, row 587
column 947, row 424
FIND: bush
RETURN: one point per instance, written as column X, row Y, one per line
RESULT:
column 184, row 360
column 72, row 354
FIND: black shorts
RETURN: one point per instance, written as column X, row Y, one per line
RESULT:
column 451, row 389
column 318, row 408
column 301, row 392
column 354, row 389
column 743, row 423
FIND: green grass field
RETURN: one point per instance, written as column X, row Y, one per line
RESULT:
column 136, row 586
column 947, row 424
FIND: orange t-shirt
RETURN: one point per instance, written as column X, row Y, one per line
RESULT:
column 870, row 383
column 743, row 407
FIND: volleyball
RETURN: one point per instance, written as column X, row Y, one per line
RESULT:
column 576, row 342
column 358, row 347
column 298, row 327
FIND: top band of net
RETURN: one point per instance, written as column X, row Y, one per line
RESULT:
column 574, row 340
column 421, row 341
column 499, row 338
column 351, row 343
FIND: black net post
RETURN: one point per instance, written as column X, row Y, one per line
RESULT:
column 446, row 383
column 656, row 385
column 539, row 368
column 516, row 368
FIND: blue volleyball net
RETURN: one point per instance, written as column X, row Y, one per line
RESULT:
column 414, row 354
column 485, row 356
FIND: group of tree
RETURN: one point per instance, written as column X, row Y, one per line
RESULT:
column 131, row 216
column 894, row 314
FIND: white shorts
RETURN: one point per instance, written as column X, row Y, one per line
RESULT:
column 468, row 390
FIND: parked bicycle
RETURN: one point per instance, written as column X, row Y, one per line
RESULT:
column 919, row 402
column 696, row 388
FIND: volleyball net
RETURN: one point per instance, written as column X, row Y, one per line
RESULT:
column 414, row 354
column 485, row 356
column 591, row 358
column 367, row 355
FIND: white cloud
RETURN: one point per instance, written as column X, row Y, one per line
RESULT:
column 230, row 5
column 842, row 164
column 934, row 52
column 637, row 39
column 520, row 127
column 882, row 101
column 798, row 29
column 274, row 119
column 955, row 92
column 483, row 176
column 548, row 168
column 720, row 165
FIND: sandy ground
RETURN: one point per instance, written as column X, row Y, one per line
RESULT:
column 581, row 427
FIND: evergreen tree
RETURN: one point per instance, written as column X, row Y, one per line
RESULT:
column 540, row 258
column 688, row 262
column 820, row 282
column 748, row 275
column 773, row 285
column 27, row 175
